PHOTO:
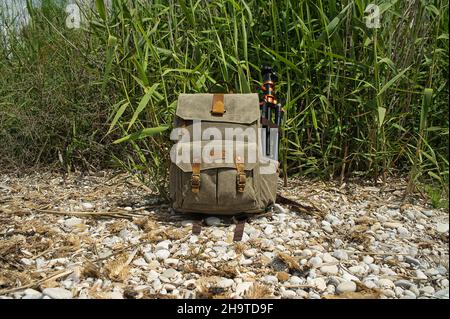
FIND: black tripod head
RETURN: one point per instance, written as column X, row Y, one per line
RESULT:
column 268, row 73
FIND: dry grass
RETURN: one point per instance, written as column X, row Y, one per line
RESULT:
column 258, row 291
column 290, row 262
column 117, row 269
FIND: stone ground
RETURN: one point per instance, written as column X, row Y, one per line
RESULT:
column 103, row 236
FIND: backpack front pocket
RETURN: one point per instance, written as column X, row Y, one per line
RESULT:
column 228, row 194
column 206, row 197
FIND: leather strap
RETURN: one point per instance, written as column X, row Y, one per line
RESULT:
column 197, row 227
column 218, row 105
column 195, row 178
column 241, row 178
column 239, row 230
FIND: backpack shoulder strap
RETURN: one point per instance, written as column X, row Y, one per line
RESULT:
column 239, row 229
column 197, row 227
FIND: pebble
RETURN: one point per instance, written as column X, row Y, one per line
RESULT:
column 87, row 206
column 269, row 279
column 218, row 233
column 32, row 294
column 375, row 269
column 157, row 284
column 349, row 277
column 385, row 283
column 169, row 274
column 57, row 293
column 420, row 274
column 152, row 275
column 388, row 293
column 442, row 270
column 327, row 258
column 358, row 270
column 315, row 261
column 412, row 261
column 403, row 284
column 171, row 261
column 27, row 261
column 330, row 270
column 249, row 253
column 409, row 294
column 295, row 280
column 368, row 260
column 432, row 272
column 163, row 245
column 212, row 221
column 162, row 254
column 328, row 229
column 346, row 286
column 403, row 232
column 442, row 228
column 186, row 223
column 243, row 287
column 428, row 213
column 340, row 254
column 225, row 283
column 245, row 262
column 332, row 219
column 442, row 294
column 140, row 262
column 398, row 291
column 392, row 225
column 428, row 290
column 268, row 230
column 73, row 222
column 115, row 295
column 320, row 284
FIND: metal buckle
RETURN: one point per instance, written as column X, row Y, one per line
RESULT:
column 195, row 182
column 241, row 179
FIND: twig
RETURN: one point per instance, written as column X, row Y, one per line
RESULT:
column 300, row 286
column 367, row 253
column 90, row 214
column 119, row 251
column 57, row 275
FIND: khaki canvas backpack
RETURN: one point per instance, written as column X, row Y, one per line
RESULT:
column 217, row 165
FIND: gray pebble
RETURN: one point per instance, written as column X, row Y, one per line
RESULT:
column 340, row 254
column 315, row 261
column 404, row 284
column 212, row 221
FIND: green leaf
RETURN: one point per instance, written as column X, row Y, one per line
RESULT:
column 141, row 134
column 333, row 25
column 426, row 103
column 435, row 176
column 178, row 70
column 117, row 116
column 100, row 5
column 381, row 115
column 143, row 104
column 392, row 81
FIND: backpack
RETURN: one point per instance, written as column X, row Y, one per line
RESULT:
column 226, row 174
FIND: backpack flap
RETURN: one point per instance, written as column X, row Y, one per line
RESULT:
column 231, row 108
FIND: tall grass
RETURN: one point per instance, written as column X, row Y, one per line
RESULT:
column 50, row 111
column 353, row 95
column 358, row 101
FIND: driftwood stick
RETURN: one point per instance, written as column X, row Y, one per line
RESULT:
column 56, row 275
